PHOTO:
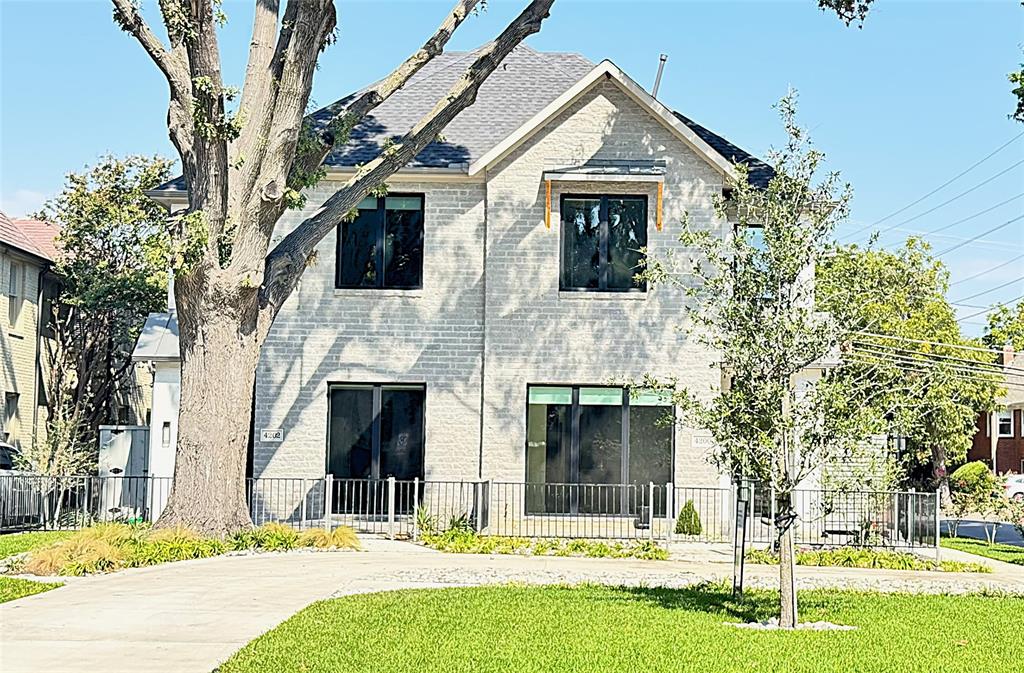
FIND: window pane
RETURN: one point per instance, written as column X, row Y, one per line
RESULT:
column 1005, row 424
column 548, row 430
column 403, row 242
column 650, row 449
column 350, row 450
column 401, row 432
column 627, row 233
column 581, row 241
column 357, row 258
column 600, row 457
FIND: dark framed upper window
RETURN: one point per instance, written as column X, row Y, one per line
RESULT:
column 602, row 239
column 383, row 246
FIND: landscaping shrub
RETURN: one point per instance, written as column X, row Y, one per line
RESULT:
column 342, row 537
column 854, row 557
column 111, row 546
column 459, row 541
column 688, row 521
column 974, row 477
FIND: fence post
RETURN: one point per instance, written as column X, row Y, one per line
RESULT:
column 650, row 508
column 305, row 494
column 670, row 501
column 328, row 496
column 415, row 509
column 938, row 532
column 391, row 508
column 478, row 520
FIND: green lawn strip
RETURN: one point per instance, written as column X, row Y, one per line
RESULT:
column 553, row 629
column 14, row 587
column 16, row 543
column 999, row 552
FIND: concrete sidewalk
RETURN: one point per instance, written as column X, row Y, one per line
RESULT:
column 191, row 616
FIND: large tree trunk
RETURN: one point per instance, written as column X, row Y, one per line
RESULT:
column 220, row 350
column 940, row 474
column 787, row 569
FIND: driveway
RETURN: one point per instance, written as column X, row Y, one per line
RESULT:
column 193, row 615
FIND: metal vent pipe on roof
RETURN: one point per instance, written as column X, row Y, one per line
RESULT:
column 661, row 69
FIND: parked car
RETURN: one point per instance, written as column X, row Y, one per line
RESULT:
column 1015, row 487
column 8, row 456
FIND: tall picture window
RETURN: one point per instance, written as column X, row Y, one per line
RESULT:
column 382, row 247
column 602, row 239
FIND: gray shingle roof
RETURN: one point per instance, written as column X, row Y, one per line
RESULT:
column 159, row 339
column 523, row 85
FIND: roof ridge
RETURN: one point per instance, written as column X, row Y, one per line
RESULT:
column 554, row 64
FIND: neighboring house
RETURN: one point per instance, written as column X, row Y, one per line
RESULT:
column 27, row 253
column 999, row 440
column 470, row 324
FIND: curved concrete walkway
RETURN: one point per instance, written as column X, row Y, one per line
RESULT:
column 193, row 615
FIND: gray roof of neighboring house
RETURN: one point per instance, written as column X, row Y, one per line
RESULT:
column 159, row 339
column 523, row 85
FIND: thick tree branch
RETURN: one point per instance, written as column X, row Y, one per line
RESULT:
column 286, row 262
column 345, row 119
column 174, row 65
column 128, row 18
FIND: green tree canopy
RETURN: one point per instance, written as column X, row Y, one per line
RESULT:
column 111, row 277
column 927, row 382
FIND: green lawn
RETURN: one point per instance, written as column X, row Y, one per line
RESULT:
column 15, row 543
column 12, row 587
column 999, row 552
column 516, row 628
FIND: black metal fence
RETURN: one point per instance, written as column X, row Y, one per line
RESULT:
column 410, row 508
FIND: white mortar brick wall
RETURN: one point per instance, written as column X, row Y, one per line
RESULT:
column 537, row 335
column 534, row 334
column 432, row 336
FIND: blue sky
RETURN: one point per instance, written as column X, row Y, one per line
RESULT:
column 900, row 107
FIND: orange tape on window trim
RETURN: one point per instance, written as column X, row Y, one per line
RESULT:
column 658, row 216
column 547, row 205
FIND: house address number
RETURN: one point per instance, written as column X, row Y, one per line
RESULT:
column 272, row 435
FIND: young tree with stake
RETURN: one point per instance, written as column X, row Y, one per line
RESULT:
column 243, row 170
column 751, row 295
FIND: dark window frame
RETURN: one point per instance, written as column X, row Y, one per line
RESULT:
column 574, row 442
column 382, row 224
column 604, row 263
column 375, row 442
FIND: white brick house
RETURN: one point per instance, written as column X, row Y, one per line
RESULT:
column 469, row 324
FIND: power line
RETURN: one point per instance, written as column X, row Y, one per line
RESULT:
column 1004, row 303
column 930, row 343
column 973, row 365
column 949, row 201
column 925, row 370
column 965, row 219
column 987, row 271
column 984, row 233
column 951, row 180
column 939, row 188
column 991, row 289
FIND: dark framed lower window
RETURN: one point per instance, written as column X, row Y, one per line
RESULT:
column 375, row 431
column 593, row 449
column 602, row 239
column 383, row 246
